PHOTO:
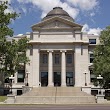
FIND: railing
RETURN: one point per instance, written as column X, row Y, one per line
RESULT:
column 6, row 85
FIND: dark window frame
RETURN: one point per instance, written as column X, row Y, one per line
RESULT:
column 91, row 57
column 56, row 58
column 21, row 72
column 69, row 58
column 44, row 58
column 92, row 41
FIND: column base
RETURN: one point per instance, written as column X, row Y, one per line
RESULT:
column 63, row 85
column 50, row 85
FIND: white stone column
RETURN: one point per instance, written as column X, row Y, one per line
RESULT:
column 50, row 69
column 63, row 68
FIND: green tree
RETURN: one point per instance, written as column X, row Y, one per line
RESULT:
column 5, row 20
column 13, row 53
column 101, row 62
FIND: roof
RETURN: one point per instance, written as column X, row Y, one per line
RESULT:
column 58, row 11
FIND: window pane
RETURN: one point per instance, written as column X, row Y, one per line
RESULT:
column 69, row 58
column 44, row 78
column 92, row 41
column 57, row 58
column 91, row 58
column 92, row 75
column 45, row 59
column 20, row 76
column 69, row 74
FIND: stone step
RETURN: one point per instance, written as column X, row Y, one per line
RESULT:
column 41, row 92
column 55, row 100
column 55, row 95
column 56, row 91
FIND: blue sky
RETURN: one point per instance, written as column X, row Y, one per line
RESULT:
column 92, row 14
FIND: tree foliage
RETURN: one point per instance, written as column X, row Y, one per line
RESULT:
column 102, row 57
column 15, row 55
column 5, row 20
column 12, row 53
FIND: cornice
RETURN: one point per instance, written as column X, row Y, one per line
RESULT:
column 58, row 42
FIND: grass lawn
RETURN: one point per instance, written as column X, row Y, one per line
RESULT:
column 3, row 98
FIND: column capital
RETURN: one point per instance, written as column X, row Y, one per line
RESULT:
column 50, row 51
column 63, row 51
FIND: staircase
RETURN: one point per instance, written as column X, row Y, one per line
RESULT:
column 55, row 95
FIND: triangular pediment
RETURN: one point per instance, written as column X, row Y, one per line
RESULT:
column 56, row 22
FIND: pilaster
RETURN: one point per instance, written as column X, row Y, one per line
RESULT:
column 36, row 62
column 77, row 64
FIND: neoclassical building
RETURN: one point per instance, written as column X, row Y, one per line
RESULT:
column 59, row 53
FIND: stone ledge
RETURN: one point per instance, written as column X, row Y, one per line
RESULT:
column 10, row 99
column 86, row 89
column 55, row 100
column 100, row 99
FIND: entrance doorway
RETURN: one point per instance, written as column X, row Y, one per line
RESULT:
column 44, row 78
column 69, row 78
column 57, row 78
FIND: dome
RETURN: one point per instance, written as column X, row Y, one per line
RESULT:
column 58, row 11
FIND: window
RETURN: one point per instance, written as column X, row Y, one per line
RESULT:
column 92, row 76
column 44, row 78
column 69, row 74
column 92, row 41
column 57, row 59
column 69, row 78
column 69, row 58
column 19, row 92
column 21, row 74
column 91, row 58
column 45, row 59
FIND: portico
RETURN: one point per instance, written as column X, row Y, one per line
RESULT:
column 57, row 68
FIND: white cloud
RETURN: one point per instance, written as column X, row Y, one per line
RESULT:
column 73, row 7
column 85, row 28
column 95, row 31
column 84, row 4
column 19, row 34
column 9, row 10
column 46, row 5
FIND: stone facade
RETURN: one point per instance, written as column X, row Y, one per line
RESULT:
column 61, row 38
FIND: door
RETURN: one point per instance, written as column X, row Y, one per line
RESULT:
column 57, row 78
column 69, row 78
column 44, row 78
